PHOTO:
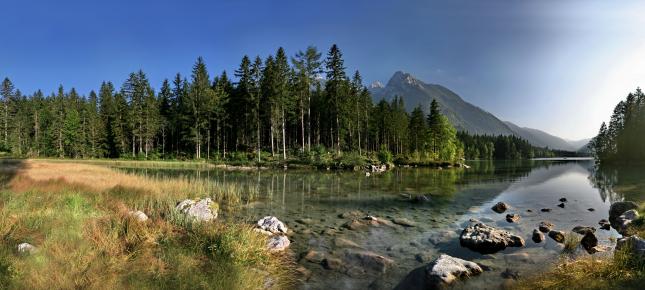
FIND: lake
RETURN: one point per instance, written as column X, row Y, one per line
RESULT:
column 311, row 203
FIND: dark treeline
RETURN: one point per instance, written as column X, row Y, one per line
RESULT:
column 274, row 108
column 622, row 140
column 503, row 148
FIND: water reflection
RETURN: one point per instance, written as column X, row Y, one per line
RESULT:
column 618, row 183
column 456, row 195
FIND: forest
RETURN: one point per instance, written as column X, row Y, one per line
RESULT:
column 275, row 108
column 621, row 141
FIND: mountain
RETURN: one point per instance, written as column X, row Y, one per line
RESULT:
column 581, row 145
column 463, row 115
column 542, row 139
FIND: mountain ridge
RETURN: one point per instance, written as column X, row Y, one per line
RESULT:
column 464, row 115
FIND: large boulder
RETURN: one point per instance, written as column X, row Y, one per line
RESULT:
column 272, row 225
column 623, row 221
column 487, row 240
column 200, row 209
column 634, row 244
column 439, row 274
column 278, row 243
column 618, row 208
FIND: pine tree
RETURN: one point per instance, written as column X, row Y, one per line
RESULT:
column 418, row 130
column 308, row 67
column 199, row 99
column 335, row 89
column 6, row 92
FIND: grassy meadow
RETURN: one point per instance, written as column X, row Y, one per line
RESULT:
column 76, row 214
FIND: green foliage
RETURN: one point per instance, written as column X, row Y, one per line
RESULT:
column 621, row 141
column 279, row 105
column 385, row 156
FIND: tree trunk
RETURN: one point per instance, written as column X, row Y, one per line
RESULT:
column 302, row 124
column 284, row 146
column 308, row 122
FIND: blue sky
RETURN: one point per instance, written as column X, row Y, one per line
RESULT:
column 559, row 66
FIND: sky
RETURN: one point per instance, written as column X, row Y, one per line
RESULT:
column 558, row 66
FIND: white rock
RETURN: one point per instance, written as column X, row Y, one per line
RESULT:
column 446, row 269
column 201, row 210
column 272, row 224
column 278, row 243
column 27, row 248
column 138, row 215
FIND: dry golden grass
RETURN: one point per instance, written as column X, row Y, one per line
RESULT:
column 77, row 216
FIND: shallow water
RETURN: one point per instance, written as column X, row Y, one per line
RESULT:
column 456, row 196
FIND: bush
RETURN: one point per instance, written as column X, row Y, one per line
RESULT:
column 385, row 156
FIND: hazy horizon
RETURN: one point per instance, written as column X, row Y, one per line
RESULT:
column 550, row 65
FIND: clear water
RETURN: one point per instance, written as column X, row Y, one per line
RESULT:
column 456, row 195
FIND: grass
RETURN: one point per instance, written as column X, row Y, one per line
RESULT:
column 571, row 242
column 620, row 270
column 77, row 217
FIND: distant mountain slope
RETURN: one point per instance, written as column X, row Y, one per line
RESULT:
column 542, row 139
column 463, row 115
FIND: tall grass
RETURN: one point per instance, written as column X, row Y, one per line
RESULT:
column 77, row 217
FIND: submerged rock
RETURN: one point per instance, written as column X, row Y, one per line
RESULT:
column 404, row 222
column 487, row 240
column 272, row 224
column 420, row 199
column 561, row 205
column 591, row 209
column 557, row 236
column 345, row 243
column 538, row 236
column 331, row 263
column 27, row 248
column 368, row 260
column 510, row 274
column 278, row 243
column 545, row 226
column 439, row 274
column 582, row 230
column 200, row 210
column 305, row 221
column 545, row 210
column 313, row 256
column 512, row 218
column 500, row 207
column 564, row 199
column 354, row 214
column 354, row 225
